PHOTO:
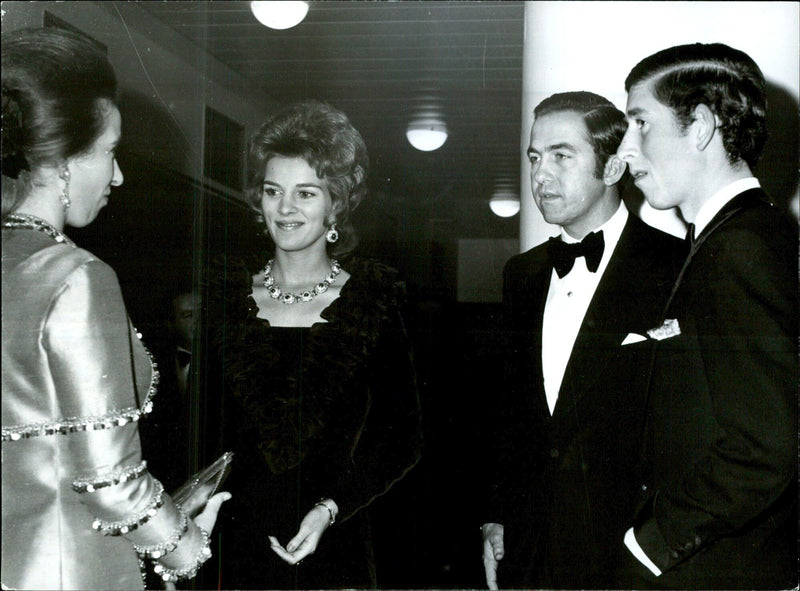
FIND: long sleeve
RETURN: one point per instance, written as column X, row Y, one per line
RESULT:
column 737, row 375
column 390, row 442
column 100, row 369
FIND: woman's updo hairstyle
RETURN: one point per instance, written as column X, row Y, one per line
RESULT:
column 54, row 85
column 324, row 137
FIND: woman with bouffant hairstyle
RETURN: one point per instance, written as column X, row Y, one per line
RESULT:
column 321, row 408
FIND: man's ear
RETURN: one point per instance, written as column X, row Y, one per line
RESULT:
column 613, row 171
column 704, row 126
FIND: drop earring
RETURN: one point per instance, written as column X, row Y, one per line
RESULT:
column 64, row 197
column 332, row 235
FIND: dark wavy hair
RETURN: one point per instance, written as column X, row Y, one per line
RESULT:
column 324, row 137
column 606, row 124
column 54, row 85
column 724, row 79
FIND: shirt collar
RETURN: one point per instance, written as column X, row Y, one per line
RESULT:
column 612, row 228
column 721, row 198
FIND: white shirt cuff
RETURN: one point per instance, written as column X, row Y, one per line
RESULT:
column 636, row 550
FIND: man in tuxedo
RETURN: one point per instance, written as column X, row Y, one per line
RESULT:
column 720, row 493
column 185, row 312
column 572, row 405
column 167, row 431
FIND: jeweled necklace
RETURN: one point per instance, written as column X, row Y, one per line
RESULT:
column 24, row 221
column 304, row 296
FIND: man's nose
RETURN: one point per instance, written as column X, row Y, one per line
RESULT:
column 627, row 147
column 117, row 177
column 540, row 173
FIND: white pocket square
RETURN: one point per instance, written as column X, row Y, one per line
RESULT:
column 669, row 329
column 633, row 338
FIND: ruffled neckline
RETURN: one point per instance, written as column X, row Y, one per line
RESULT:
column 327, row 314
column 372, row 289
column 334, row 355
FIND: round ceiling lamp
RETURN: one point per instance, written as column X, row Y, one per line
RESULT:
column 281, row 14
column 505, row 199
column 427, row 130
column 427, row 136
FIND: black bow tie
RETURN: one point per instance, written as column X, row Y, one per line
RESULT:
column 563, row 254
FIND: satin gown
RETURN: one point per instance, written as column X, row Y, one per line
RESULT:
column 75, row 381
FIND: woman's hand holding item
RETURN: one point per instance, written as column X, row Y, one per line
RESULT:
column 208, row 517
column 314, row 524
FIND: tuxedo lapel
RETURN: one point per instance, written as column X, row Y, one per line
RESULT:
column 540, row 286
column 529, row 295
column 742, row 201
column 610, row 314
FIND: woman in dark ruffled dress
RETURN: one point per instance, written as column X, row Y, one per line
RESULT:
column 321, row 405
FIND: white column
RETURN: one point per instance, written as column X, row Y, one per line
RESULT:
column 533, row 229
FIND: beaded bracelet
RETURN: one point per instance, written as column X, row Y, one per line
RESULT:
column 322, row 503
column 118, row 528
column 156, row 551
column 171, row 575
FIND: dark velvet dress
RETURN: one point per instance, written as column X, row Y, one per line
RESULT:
column 326, row 411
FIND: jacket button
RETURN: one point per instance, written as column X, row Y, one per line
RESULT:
column 644, row 487
column 554, row 453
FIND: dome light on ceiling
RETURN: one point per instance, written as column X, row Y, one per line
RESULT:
column 279, row 14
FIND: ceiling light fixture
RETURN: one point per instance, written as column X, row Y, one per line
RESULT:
column 427, row 130
column 427, row 136
column 281, row 14
column 505, row 199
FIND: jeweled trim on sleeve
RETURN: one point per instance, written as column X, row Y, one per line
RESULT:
column 118, row 528
column 157, row 551
column 117, row 418
column 111, row 478
column 172, row 575
column 155, row 378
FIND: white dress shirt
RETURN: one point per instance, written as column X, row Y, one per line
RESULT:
column 720, row 199
column 567, row 301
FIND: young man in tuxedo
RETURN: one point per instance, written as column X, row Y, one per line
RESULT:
column 720, row 493
column 572, row 405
